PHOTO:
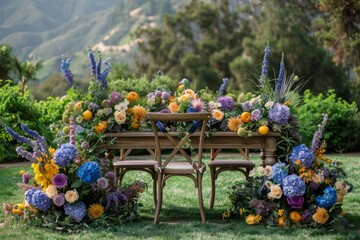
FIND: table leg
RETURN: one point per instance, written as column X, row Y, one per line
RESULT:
column 270, row 151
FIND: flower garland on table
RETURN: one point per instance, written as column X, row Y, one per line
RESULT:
column 308, row 190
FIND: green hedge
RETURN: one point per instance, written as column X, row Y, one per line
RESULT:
column 343, row 128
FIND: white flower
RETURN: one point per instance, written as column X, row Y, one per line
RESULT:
column 251, row 173
column 150, row 101
column 269, row 104
column 268, row 171
column 261, row 171
column 122, row 107
column 120, row 117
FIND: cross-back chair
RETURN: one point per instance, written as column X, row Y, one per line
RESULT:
column 188, row 167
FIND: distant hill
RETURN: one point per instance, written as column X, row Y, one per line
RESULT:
column 49, row 28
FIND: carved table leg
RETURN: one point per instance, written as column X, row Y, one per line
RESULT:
column 270, row 151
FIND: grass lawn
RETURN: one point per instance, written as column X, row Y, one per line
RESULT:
column 180, row 217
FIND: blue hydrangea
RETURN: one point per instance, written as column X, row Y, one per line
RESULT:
column 279, row 172
column 293, row 186
column 65, row 154
column 76, row 210
column 89, row 172
column 302, row 153
column 38, row 199
column 328, row 199
column 279, row 113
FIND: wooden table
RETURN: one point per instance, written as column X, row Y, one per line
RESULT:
column 126, row 141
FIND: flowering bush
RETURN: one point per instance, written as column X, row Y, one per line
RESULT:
column 307, row 190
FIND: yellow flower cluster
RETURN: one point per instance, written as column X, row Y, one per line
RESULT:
column 44, row 171
column 321, row 216
column 253, row 219
column 306, row 174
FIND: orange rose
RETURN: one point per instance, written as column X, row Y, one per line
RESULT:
column 100, row 127
column 174, row 107
column 217, row 114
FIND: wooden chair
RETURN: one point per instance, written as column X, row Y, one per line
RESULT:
column 122, row 165
column 166, row 168
column 218, row 166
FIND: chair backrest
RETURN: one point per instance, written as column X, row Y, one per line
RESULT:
column 170, row 140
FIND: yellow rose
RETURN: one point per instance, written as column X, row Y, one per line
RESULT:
column 183, row 98
column 174, row 107
column 275, row 192
column 217, row 114
column 51, row 191
column 71, row 196
column 120, row 117
column 190, row 93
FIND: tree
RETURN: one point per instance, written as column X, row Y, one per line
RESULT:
column 25, row 71
column 6, row 59
column 198, row 43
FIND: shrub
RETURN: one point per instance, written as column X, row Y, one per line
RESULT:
column 344, row 121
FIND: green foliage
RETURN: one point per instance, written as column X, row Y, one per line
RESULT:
column 16, row 108
column 144, row 85
column 6, row 59
column 51, row 110
column 343, row 124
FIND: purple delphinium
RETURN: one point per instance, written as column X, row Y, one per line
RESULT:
column 19, row 138
column 26, row 177
column 72, row 131
column 256, row 115
column 64, row 67
column 92, row 63
column 281, row 75
column 65, row 154
column 60, row 180
column 223, row 86
column 103, row 75
column 279, row 172
column 76, row 210
column 25, row 154
column 114, row 98
column 328, row 199
column 279, row 113
column 318, row 134
column 302, row 153
column 264, row 69
column 36, row 135
column 293, row 185
column 112, row 200
column 227, row 102
column 89, row 172
column 59, row 200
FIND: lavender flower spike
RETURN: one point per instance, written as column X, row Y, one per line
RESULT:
column 98, row 67
column 18, row 137
column 92, row 63
column 35, row 135
column 264, row 69
column 281, row 75
column 318, row 134
column 223, row 86
column 25, row 154
column 103, row 75
column 64, row 67
column 72, row 131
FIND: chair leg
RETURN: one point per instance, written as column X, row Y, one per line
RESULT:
column 155, row 188
column 212, row 190
column 201, row 202
column 159, row 198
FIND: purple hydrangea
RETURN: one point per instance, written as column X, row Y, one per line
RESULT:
column 76, row 210
column 165, row 95
column 59, row 199
column 38, row 199
column 302, row 153
column 247, row 106
column 65, row 154
column 279, row 113
column 114, row 98
column 60, row 180
column 293, row 185
column 256, row 115
column 279, row 172
column 227, row 102
column 158, row 93
column 112, row 200
column 89, row 172
column 328, row 199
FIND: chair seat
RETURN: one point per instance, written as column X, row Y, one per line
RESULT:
column 232, row 163
column 135, row 163
column 180, row 168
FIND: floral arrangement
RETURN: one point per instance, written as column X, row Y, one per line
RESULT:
column 306, row 190
column 71, row 185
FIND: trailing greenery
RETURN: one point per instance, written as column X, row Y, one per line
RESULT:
column 344, row 121
column 180, row 216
